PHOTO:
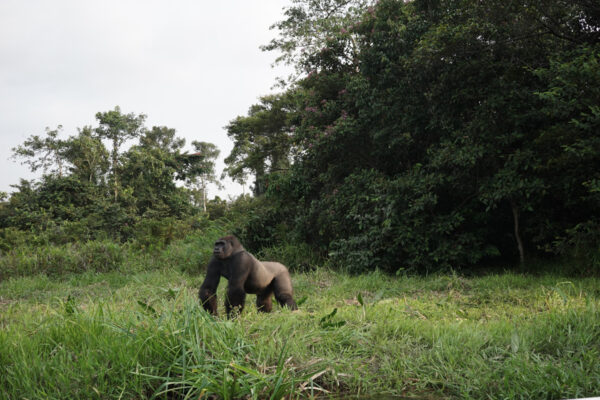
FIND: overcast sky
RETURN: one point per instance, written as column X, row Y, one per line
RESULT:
column 188, row 65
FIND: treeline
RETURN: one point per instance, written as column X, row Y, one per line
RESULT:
column 428, row 134
column 91, row 191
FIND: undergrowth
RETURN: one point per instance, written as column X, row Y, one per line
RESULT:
column 141, row 334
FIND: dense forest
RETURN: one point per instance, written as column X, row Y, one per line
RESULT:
column 413, row 136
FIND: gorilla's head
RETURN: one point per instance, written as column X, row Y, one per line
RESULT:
column 226, row 246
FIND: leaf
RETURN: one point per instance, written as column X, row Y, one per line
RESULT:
column 247, row 370
column 302, row 301
column 360, row 299
column 514, row 342
column 562, row 294
column 328, row 316
column 333, row 324
column 70, row 305
column 326, row 322
column 149, row 309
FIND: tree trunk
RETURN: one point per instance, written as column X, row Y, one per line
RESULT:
column 115, row 160
column 60, row 167
column 515, row 212
column 259, row 183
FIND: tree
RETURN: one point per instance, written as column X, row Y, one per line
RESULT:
column 43, row 152
column 460, row 131
column 570, row 148
column 87, row 154
column 262, row 140
column 150, row 169
column 162, row 137
column 207, row 154
column 78, row 196
column 118, row 127
column 312, row 27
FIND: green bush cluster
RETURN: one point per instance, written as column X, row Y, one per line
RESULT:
column 182, row 245
column 298, row 257
column 99, row 256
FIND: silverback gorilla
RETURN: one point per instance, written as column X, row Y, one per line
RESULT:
column 245, row 275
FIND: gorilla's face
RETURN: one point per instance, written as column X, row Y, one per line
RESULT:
column 223, row 249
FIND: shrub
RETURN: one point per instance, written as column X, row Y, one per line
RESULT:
column 101, row 256
column 53, row 260
column 298, row 257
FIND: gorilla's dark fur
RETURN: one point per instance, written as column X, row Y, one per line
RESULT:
column 245, row 275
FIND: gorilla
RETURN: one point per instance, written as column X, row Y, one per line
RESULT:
column 245, row 275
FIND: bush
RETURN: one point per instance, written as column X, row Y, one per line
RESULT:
column 101, row 256
column 11, row 238
column 158, row 243
column 257, row 223
column 217, row 208
column 581, row 244
column 298, row 257
column 151, row 233
column 53, row 260
column 190, row 255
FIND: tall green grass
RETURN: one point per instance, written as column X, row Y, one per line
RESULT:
column 187, row 254
column 128, row 348
column 143, row 335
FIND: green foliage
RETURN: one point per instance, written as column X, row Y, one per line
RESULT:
column 298, row 257
column 164, row 243
column 217, row 208
column 43, row 152
column 12, row 237
column 88, row 156
column 118, row 127
column 358, row 217
column 433, row 135
column 582, row 245
column 207, row 154
column 572, row 150
column 194, row 373
column 327, row 321
column 261, row 141
column 259, row 224
column 153, row 233
column 310, row 26
column 54, row 260
column 79, row 201
column 419, row 136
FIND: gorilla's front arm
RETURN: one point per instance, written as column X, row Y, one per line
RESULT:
column 208, row 290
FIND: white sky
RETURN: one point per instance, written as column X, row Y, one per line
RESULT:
column 188, row 65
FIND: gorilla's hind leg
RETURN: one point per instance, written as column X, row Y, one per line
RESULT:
column 282, row 286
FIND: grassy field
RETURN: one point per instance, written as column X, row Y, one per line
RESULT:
column 135, row 335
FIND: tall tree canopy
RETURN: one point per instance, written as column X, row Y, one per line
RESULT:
column 430, row 134
column 262, row 140
column 206, row 153
column 118, row 127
